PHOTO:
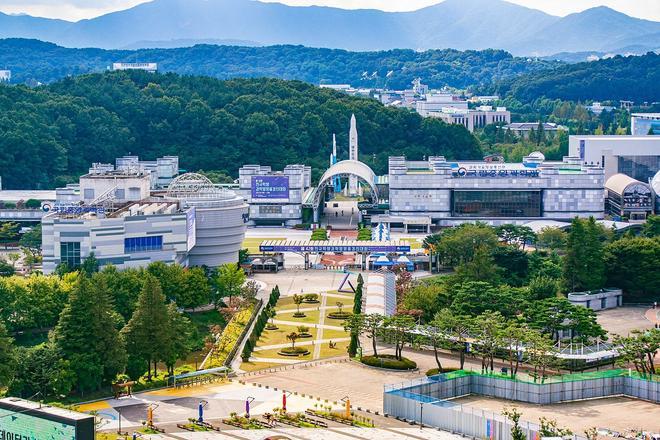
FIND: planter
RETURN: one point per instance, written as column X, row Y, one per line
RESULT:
column 305, row 335
column 338, row 315
column 271, row 327
column 299, row 315
column 293, row 352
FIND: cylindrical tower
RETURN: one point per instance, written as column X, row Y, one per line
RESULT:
column 219, row 219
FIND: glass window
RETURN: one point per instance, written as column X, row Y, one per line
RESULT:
column 641, row 168
column 70, row 253
column 143, row 244
column 496, row 204
column 88, row 193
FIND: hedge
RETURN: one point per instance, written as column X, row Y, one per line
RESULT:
column 389, row 361
column 260, row 325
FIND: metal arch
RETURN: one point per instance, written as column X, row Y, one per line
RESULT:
column 348, row 168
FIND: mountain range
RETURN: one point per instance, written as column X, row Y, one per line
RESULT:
column 457, row 24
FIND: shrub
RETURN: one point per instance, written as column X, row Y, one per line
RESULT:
column 434, row 371
column 390, row 362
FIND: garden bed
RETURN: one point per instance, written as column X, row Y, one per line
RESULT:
column 293, row 352
column 389, row 362
column 339, row 315
column 299, row 315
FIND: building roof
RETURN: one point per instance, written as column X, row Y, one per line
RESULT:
column 26, row 194
column 46, row 409
column 619, row 182
column 655, row 183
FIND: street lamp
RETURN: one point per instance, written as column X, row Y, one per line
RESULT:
column 421, row 415
column 119, row 428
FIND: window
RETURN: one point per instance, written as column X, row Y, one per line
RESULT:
column 270, row 209
column 89, row 194
column 496, row 204
column 120, row 193
column 143, row 244
column 70, row 253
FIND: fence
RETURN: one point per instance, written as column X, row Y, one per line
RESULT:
column 468, row 421
column 424, row 400
column 555, row 389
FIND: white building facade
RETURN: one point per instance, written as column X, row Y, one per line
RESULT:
column 635, row 156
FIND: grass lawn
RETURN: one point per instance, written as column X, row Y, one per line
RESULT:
column 272, row 337
column 286, row 302
column 335, row 334
column 256, row 366
column 252, row 243
column 414, row 244
column 310, row 317
column 340, row 350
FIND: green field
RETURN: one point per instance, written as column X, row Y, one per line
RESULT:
column 252, row 243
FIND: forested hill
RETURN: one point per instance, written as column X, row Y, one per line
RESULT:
column 635, row 78
column 53, row 133
column 46, row 62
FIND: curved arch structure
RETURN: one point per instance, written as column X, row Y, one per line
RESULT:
column 351, row 168
column 346, row 168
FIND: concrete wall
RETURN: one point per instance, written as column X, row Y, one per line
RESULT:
column 607, row 299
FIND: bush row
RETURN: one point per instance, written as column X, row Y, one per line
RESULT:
column 260, row 325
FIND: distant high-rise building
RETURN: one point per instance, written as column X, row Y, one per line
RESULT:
column 353, row 150
column 5, row 75
column 149, row 67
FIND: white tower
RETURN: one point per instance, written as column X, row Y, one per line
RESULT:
column 353, row 155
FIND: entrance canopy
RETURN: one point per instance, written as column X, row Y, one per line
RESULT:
column 350, row 168
column 308, row 246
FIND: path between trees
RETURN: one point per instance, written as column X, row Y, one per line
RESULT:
column 319, row 334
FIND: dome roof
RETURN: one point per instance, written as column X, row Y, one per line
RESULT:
column 655, row 183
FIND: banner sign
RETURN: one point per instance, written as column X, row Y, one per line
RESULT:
column 73, row 209
column 333, row 248
column 463, row 172
column 191, row 228
column 270, row 187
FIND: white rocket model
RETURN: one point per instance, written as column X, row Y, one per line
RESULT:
column 353, row 150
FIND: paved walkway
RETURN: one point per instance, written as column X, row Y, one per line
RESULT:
column 319, row 333
column 653, row 315
column 297, row 323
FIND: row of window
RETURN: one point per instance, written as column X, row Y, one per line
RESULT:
column 143, row 244
column 496, row 204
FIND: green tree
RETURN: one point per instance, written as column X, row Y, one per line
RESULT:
column 42, row 369
column 652, row 226
column 487, row 330
column 639, row 349
column 8, row 232
column 371, row 326
column 228, row 280
column 514, row 416
column 90, row 265
column 631, row 264
column 86, row 336
column 455, row 246
column 425, row 297
column 148, row 330
column 458, row 328
column 481, row 267
column 551, row 238
column 31, row 241
column 584, row 267
column 7, row 359
column 354, row 324
column 513, row 336
column 516, row 235
column 177, row 343
column 125, row 287
column 197, row 289
column 542, row 287
column 6, row 269
column 397, row 327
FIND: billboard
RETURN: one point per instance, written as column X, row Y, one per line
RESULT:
column 17, row 422
column 191, row 223
column 270, row 187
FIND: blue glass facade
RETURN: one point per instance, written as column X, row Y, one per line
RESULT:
column 143, row 244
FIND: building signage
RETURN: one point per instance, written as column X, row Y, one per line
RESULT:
column 582, row 148
column 491, row 173
column 191, row 223
column 270, row 187
column 73, row 210
column 334, row 248
column 20, row 426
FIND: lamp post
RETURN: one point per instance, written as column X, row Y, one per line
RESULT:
column 119, row 428
column 421, row 415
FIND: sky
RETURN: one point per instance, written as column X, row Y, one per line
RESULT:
column 79, row 9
